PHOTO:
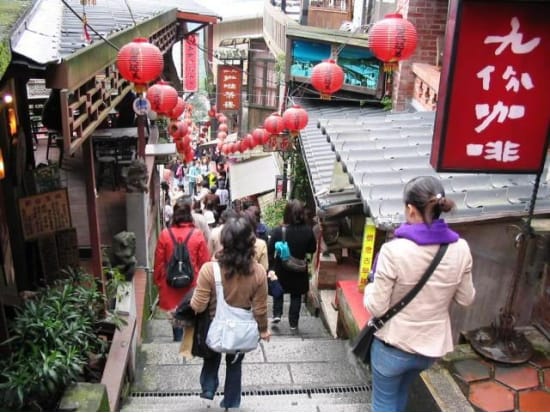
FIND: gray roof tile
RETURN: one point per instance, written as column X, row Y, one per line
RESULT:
column 381, row 151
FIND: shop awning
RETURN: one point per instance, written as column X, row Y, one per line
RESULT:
column 254, row 176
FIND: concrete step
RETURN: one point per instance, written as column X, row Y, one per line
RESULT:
column 159, row 330
column 306, row 400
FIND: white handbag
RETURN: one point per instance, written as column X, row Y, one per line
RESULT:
column 233, row 329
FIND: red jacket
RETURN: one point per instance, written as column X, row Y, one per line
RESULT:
column 169, row 297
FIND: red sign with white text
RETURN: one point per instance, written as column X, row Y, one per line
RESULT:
column 493, row 113
column 190, row 63
column 229, row 88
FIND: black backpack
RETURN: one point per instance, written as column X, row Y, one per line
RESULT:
column 179, row 270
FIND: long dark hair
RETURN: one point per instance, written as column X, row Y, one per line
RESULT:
column 237, row 239
column 427, row 194
column 182, row 210
column 294, row 213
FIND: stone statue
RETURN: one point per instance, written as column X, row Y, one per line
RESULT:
column 122, row 254
column 137, row 177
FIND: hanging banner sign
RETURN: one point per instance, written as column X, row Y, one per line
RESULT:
column 229, row 88
column 493, row 113
column 190, row 63
column 367, row 253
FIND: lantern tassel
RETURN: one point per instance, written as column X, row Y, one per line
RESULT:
column 87, row 36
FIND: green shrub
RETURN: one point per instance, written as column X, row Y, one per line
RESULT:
column 272, row 214
column 52, row 338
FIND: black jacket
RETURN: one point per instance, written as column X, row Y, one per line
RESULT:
column 301, row 241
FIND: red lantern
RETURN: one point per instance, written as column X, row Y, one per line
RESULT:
column 222, row 135
column 295, row 119
column 163, row 98
column 189, row 155
column 178, row 129
column 247, row 143
column 260, row 135
column 222, row 118
column 140, row 62
column 222, row 127
column 392, row 39
column 327, row 77
column 226, row 148
column 177, row 110
column 274, row 124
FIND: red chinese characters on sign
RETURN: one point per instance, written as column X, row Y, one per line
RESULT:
column 493, row 113
column 190, row 63
column 229, row 88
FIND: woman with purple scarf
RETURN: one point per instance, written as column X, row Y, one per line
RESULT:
column 421, row 332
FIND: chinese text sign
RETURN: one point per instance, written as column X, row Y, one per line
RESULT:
column 493, row 113
column 190, row 63
column 229, row 88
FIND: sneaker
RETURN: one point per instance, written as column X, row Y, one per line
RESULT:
column 276, row 320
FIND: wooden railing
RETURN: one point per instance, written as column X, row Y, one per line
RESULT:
column 275, row 24
column 426, row 85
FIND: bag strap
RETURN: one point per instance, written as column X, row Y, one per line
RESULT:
column 283, row 229
column 379, row 322
column 219, row 286
column 175, row 241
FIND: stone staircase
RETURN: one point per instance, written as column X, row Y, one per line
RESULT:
column 303, row 370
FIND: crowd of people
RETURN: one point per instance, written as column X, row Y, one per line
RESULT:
column 233, row 235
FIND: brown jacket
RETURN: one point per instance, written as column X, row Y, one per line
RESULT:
column 239, row 291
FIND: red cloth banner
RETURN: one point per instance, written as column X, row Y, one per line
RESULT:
column 190, row 63
column 493, row 113
column 229, row 88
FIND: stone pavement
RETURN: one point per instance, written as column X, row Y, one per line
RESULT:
column 307, row 370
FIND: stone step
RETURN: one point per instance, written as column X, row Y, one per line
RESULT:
column 351, row 399
column 159, row 330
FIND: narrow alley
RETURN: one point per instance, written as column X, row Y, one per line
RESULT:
column 303, row 371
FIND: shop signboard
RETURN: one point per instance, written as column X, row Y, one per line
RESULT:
column 190, row 63
column 229, row 88
column 493, row 113
column 44, row 213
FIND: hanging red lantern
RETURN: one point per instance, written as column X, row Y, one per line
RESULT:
column 392, row 39
column 295, row 119
column 177, row 111
column 226, row 149
column 140, row 62
column 212, row 113
column 162, row 97
column 260, row 135
column 189, row 155
column 222, row 127
column 274, row 124
column 247, row 143
column 327, row 77
column 177, row 129
column 222, row 118
column 222, row 135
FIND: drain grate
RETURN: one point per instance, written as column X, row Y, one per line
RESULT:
column 277, row 392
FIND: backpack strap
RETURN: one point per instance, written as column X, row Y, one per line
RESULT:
column 174, row 238
column 283, row 229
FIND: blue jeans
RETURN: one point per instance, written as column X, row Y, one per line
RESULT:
column 293, row 310
column 233, row 372
column 393, row 371
column 177, row 333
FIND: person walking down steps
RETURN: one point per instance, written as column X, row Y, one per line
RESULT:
column 245, row 286
column 301, row 241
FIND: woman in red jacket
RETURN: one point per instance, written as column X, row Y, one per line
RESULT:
column 182, row 224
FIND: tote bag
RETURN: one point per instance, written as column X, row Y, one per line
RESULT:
column 233, row 329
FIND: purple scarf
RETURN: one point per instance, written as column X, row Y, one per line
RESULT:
column 423, row 234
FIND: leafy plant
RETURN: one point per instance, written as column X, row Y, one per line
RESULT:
column 114, row 291
column 272, row 214
column 386, row 103
column 52, row 338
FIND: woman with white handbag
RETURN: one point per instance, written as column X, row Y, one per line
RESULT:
column 244, row 284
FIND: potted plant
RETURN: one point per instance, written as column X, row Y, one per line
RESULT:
column 54, row 341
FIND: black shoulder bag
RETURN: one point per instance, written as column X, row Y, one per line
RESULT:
column 362, row 343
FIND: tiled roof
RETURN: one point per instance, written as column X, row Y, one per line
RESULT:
column 52, row 32
column 381, row 151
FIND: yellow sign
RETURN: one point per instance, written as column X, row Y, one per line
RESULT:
column 367, row 253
